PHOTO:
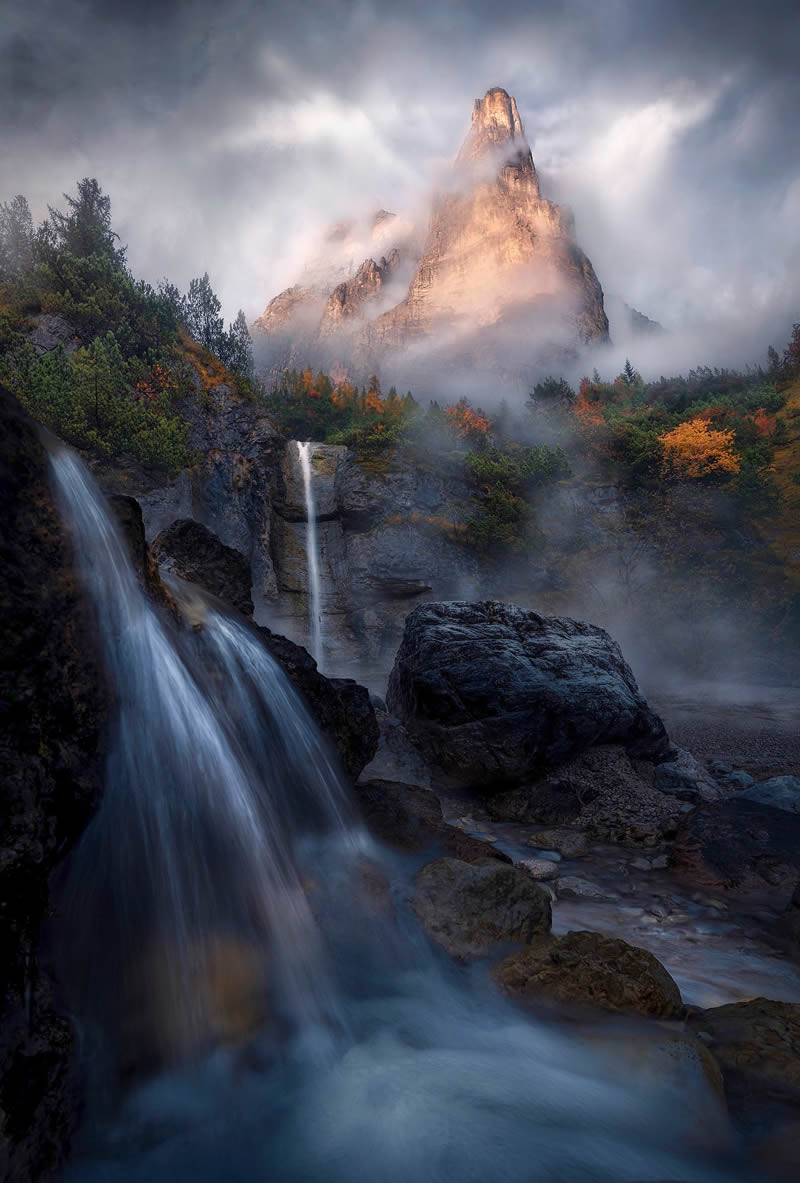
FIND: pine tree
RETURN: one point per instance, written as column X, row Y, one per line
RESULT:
column 239, row 346
column 203, row 318
column 16, row 238
column 86, row 228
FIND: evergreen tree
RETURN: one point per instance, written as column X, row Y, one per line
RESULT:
column 85, row 229
column 203, row 318
column 16, row 238
column 239, row 347
column 171, row 294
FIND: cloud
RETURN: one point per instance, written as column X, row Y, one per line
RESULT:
column 229, row 136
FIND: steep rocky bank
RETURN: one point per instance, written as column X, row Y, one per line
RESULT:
column 54, row 709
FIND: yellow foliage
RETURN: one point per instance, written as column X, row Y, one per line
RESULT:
column 694, row 450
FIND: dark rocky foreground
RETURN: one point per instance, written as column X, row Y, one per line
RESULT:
column 537, row 722
column 54, row 706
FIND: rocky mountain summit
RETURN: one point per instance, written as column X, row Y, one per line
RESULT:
column 498, row 261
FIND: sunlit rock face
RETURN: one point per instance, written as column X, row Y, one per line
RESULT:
column 499, row 277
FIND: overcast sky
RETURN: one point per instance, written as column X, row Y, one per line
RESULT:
column 229, row 134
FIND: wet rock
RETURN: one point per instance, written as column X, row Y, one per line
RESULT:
column 492, row 694
column 569, row 843
column 739, row 779
column 53, row 719
column 739, row 844
column 409, row 817
column 604, row 792
column 539, row 868
column 781, row 792
column 128, row 514
column 585, row 967
column 396, row 758
column 468, row 908
column 576, row 888
column 192, row 552
column 339, row 706
column 757, row 1045
column 789, row 924
column 686, row 778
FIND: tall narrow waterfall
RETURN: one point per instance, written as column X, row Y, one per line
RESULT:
column 252, row 959
column 312, row 555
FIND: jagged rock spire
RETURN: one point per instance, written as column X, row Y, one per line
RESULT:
column 497, row 132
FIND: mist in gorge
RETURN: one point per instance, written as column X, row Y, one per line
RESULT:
column 400, row 644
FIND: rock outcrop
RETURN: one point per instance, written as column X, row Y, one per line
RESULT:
column 467, row 908
column 231, row 488
column 739, row 845
column 499, row 261
column 603, row 791
column 53, row 714
column 494, row 695
column 409, row 818
column 339, row 706
column 192, row 552
column 594, row 970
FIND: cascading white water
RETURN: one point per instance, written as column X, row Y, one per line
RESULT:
column 312, row 554
column 188, row 854
column 226, row 858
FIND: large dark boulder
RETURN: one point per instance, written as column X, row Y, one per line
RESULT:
column 340, row 706
column 739, row 845
column 594, row 970
column 193, row 552
column 53, row 706
column 495, row 695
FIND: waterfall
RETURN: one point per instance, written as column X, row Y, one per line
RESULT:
column 312, row 555
column 190, row 860
column 232, row 930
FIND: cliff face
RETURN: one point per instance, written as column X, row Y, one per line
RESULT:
column 52, row 718
column 499, row 277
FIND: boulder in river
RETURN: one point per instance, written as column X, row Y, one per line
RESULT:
column 739, row 844
column 586, row 967
column 409, row 818
column 467, row 908
column 782, row 792
column 494, row 695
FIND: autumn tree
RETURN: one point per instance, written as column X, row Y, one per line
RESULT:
column 694, row 450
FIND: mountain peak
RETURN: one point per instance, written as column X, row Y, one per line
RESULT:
column 497, row 131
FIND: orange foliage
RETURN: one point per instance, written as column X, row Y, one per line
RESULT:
column 588, row 412
column 160, row 380
column 694, row 450
column 465, row 421
column 211, row 370
column 765, row 424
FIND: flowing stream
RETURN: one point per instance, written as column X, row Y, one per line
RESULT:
column 312, row 554
column 255, row 996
